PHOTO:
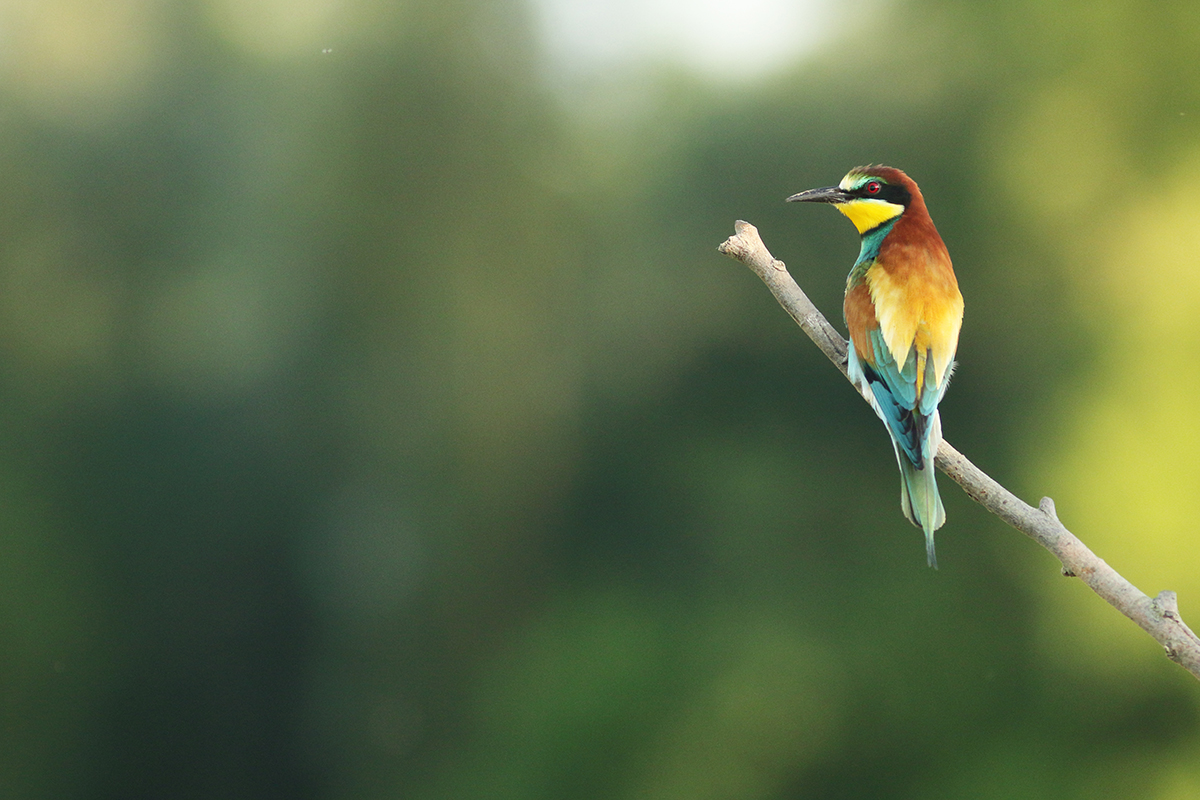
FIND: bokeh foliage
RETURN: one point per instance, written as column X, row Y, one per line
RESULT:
column 379, row 420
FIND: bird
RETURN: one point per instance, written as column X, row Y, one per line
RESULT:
column 903, row 310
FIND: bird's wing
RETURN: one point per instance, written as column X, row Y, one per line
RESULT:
column 905, row 408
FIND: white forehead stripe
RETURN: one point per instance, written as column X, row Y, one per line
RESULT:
column 847, row 184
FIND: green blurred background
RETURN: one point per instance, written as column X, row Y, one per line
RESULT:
column 379, row 420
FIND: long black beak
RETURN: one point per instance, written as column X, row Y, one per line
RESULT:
column 830, row 194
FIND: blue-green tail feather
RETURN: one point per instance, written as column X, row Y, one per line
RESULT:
column 921, row 502
column 915, row 427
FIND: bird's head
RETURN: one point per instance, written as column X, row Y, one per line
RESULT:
column 869, row 196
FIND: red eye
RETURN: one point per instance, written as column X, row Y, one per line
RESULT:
column 873, row 187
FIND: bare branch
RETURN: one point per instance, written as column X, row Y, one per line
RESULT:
column 1158, row 616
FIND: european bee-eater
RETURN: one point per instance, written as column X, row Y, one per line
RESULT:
column 903, row 310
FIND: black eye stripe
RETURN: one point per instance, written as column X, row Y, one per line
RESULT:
column 876, row 189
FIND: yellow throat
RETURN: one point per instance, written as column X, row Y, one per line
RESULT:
column 868, row 213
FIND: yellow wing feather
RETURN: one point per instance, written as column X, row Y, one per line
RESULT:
column 917, row 310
